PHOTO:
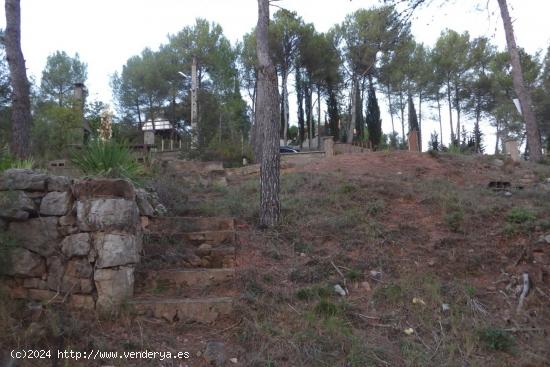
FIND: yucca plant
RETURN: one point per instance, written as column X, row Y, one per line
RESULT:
column 108, row 159
column 8, row 161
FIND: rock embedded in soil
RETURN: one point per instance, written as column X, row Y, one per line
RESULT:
column 215, row 353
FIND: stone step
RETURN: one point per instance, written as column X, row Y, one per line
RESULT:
column 205, row 310
column 197, row 238
column 174, row 225
column 175, row 256
column 194, row 278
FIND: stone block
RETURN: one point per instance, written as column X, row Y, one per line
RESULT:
column 43, row 295
column 78, row 301
column 107, row 214
column 25, row 263
column 113, row 286
column 67, row 220
column 103, row 188
column 39, row 235
column 116, row 249
column 36, row 283
column 145, row 207
column 22, row 179
column 58, row 183
column 79, row 268
column 86, row 286
column 56, row 268
column 76, row 245
column 15, row 205
column 56, row 203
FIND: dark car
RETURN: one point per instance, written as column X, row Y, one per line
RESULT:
column 287, row 149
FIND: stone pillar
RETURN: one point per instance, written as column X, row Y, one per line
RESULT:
column 512, row 149
column 414, row 145
column 76, row 242
column 328, row 146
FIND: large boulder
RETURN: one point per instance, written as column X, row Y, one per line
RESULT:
column 76, row 245
column 103, row 188
column 24, row 263
column 107, row 214
column 15, row 205
column 114, row 286
column 56, row 203
column 22, row 179
column 39, row 235
column 116, row 249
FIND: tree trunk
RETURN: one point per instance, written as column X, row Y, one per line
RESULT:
column 391, row 109
column 497, row 136
column 450, row 111
column 533, row 133
column 300, row 100
column 349, row 138
column 309, row 113
column 318, row 117
column 194, row 105
column 420, row 120
column 285, row 107
column 21, row 103
column 457, row 102
column 440, row 120
column 269, row 119
column 402, row 107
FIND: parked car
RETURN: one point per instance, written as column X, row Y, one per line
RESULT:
column 287, row 149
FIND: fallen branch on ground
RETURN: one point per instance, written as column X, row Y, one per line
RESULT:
column 525, row 290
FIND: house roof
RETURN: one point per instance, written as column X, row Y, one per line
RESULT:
column 159, row 125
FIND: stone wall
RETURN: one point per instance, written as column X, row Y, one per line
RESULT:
column 70, row 241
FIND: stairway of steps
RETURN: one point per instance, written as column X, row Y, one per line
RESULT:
column 187, row 269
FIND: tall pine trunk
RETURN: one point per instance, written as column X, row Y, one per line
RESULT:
column 285, row 106
column 300, row 100
column 458, row 111
column 440, row 120
column 533, row 133
column 318, row 117
column 420, row 120
column 21, row 103
column 349, row 138
column 402, row 107
column 449, row 101
column 309, row 112
column 268, row 119
column 391, row 109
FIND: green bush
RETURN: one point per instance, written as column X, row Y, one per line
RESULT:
column 7, row 244
column 520, row 215
column 496, row 339
column 108, row 159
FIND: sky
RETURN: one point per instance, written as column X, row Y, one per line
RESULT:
column 106, row 33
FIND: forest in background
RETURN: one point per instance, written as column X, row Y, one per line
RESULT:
column 371, row 53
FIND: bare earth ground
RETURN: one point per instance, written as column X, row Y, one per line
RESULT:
column 431, row 258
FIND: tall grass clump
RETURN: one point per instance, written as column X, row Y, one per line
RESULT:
column 108, row 159
column 8, row 161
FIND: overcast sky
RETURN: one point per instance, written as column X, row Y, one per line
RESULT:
column 107, row 32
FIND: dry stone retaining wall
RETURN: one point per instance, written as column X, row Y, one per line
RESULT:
column 71, row 241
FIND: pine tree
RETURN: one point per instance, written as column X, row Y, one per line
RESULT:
column 413, row 119
column 374, row 123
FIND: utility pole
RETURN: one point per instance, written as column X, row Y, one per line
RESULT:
column 194, row 107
